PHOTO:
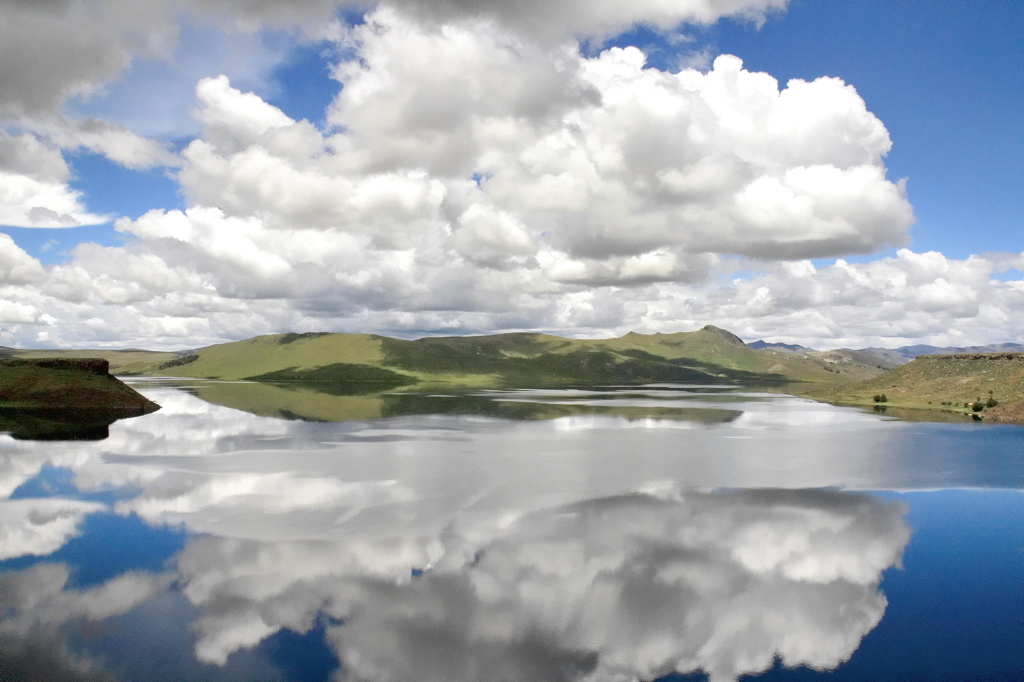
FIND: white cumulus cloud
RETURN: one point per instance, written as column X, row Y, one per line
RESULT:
column 477, row 170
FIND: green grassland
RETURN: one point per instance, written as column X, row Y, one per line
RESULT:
column 709, row 355
column 950, row 383
column 262, row 355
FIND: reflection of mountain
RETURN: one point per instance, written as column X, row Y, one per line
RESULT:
column 313, row 402
column 290, row 401
column 616, row 588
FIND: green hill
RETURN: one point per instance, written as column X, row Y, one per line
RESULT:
column 709, row 355
column 953, row 383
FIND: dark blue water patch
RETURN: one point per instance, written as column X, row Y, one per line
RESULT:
column 109, row 545
column 301, row 657
column 155, row 642
column 992, row 452
column 956, row 610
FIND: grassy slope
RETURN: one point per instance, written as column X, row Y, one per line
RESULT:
column 277, row 353
column 931, row 380
column 707, row 355
column 70, row 384
column 721, row 353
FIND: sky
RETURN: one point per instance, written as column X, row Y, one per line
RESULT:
column 834, row 174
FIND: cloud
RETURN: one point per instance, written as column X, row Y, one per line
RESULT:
column 54, row 50
column 892, row 300
column 553, row 21
column 27, row 155
column 514, row 180
column 33, row 186
column 113, row 140
column 16, row 266
column 25, row 202
column 538, row 172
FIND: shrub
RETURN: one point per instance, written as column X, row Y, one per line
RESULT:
column 978, row 406
column 179, row 361
column 880, row 398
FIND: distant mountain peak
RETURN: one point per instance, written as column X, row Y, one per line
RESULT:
column 761, row 344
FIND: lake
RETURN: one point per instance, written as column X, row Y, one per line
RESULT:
column 673, row 532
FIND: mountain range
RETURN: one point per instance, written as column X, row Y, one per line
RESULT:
column 895, row 356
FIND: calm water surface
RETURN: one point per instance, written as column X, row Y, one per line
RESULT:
column 670, row 532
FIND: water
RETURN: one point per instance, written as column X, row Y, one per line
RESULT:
column 672, row 532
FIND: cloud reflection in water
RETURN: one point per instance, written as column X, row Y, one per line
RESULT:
column 606, row 589
column 594, row 552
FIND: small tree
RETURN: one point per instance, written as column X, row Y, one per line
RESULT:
column 880, row 398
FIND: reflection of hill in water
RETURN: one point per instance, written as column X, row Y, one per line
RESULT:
column 323, row 402
column 289, row 401
column 65, row 424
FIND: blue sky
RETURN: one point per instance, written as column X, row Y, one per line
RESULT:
column 310, row 167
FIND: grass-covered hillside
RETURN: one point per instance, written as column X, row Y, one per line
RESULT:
column 707, row 355
column 65, row 384
column 991, row 382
